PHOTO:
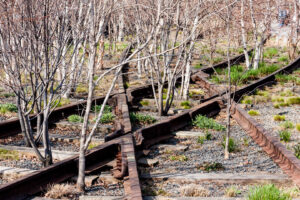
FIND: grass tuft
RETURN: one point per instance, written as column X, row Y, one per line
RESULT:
column 9, row 155
column 61, row 191
column 138, row 118
column 298, row 127
column 8, row 108
column 232, row 191
column 181, row 158
column 253, row 112
column 287, row 125
column 279, row 118
column 266, row 192
column 186, row 104
column 144, row 103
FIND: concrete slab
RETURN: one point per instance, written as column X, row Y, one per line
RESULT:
column 59, row 155
column 257, row 178
column 187, row 134
column 169, row 147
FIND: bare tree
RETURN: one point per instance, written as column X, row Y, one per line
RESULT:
column 34, row 44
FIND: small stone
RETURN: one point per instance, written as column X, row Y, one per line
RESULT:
column 91, row 180
column 148, row 162
column 108, row 179
column 168, row 147
column 185, row 134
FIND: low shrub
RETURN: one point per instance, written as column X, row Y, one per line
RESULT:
column 207, row 123
column 253, row 112
column 266, row 192
column 285, row 135
column 141, row 119
column 279, row 118
column 75, row 119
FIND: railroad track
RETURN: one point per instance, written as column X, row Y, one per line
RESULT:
column 126, row 146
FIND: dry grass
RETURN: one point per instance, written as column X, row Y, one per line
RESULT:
column 194, row 191
column 61, row 191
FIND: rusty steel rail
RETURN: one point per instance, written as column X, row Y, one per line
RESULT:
column 121, row 148
column 214, row 91
column 153, row 134
column 59, row 172
column 285, row 159
column 144, row 138
column 271, row 145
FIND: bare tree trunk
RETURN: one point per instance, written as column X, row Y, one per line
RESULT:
column 226, row 153
column 244, row 41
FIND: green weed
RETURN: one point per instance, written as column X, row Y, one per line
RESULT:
column 279, row 118
column 107, row 118
column 75, row 119
column 141, row 119
column 232, row 146
column 144, row 103
column 8, row 108
column 297, row 150
column 287, row 125
column 285, row 136
column 97, row 108
column 270, row 52
column 207, row 123
column 266, row 192
column 253, row 112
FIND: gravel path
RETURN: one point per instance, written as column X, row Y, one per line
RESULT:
column 249, row 158
column 166, row 188
column 56, row 145
column 26, row 163
column 267, row 112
